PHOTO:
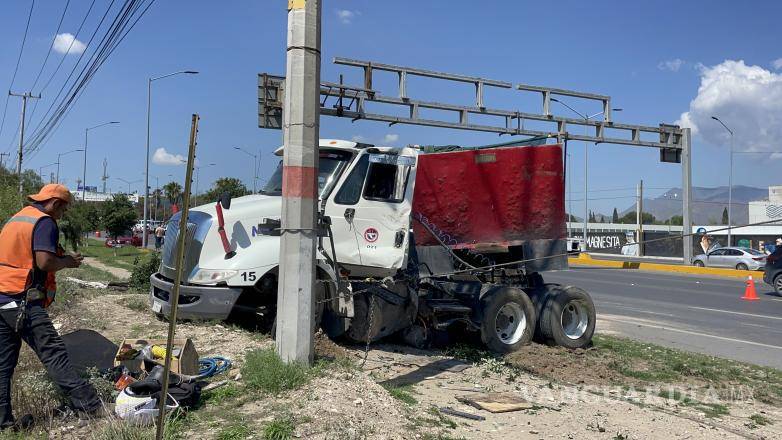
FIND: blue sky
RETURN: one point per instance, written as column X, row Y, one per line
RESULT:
column 651, row 57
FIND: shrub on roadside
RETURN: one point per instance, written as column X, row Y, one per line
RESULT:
column 264, row 371
column 143, row 267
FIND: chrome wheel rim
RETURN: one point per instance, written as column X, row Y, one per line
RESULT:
column 574, row 319
column 510, row 323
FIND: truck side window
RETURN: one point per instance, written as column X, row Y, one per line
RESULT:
column 386, row 182
column 351, row 189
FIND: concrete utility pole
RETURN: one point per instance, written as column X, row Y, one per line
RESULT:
column 2, row 161
column 686, row 143
column 301, row 120
column 25, row 97
column 639, row 212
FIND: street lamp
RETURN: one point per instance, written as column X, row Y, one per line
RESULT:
column 146, row 156
column 59, row 155
column 128, row 182
column 195, row 197
column 255, row 164
column 40, row 169
column 586, row 118
column 84, row 172
column 730, row 179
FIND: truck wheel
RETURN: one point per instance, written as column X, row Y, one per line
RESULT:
column 568, row 318
column 539, row 297
column 508, row 320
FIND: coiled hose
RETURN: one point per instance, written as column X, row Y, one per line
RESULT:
column 212, row 366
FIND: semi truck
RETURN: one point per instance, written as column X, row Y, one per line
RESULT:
column 412, row 241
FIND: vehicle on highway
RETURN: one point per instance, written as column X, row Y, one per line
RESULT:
column 128, row 239
column 740, row 258
column 772, row 274
column 410, row 242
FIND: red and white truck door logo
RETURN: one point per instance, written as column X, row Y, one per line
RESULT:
column 371, row 235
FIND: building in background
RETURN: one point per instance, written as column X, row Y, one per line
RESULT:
column 767, row 210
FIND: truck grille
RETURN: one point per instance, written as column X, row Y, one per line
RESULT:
column 193, row 243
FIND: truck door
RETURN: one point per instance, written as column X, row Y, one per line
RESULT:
column 370, row 213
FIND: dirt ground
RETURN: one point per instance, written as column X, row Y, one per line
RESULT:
column 395, row 393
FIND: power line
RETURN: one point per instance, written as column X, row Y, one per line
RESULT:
column 127, row 18
column 54, row 38
column 18, row 61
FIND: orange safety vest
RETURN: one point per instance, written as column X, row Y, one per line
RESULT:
column 17, row 259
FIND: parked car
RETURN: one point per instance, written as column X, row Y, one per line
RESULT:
column 740, row 258
column 128, row 239
column 772, row 273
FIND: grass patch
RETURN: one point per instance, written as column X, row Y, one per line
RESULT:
column 468, row 352
column 237, row 430
column 281, row 428
column 136, row 303
column 264, row 371
column 119, row 257
column 221, row 394
column 437, row 420
column 402, row 393
column 759, row 420
column 654, row 363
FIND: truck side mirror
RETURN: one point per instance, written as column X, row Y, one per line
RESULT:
column 225, row 200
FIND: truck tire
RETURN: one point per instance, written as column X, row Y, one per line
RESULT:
column 568, row 318
column 508, row 320
column 539, row 297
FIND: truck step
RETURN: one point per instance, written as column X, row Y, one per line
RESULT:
column 450, row 308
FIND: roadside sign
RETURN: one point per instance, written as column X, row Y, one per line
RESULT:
column 271, row 89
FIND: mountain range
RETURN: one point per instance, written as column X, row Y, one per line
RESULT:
column 707, row 204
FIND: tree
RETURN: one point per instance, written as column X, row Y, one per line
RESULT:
column 592, row 218
column 172, row 191
column 118, row 215
column 615, row 216
column 677, row 220
column 631, row 218
column 80, row 218
column 231, row 185
column 725, row 216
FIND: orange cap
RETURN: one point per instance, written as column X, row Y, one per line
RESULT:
column 52, row 191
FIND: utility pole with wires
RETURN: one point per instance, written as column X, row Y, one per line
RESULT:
column 2, row 161
column 639, row 212
column 295, row 298
column 25, row 97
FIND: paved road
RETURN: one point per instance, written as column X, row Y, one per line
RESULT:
column 689, row 312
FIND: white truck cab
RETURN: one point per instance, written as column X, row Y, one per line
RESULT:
column 365, row 190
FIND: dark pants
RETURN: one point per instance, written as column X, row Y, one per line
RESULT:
column 158, row 242
column 37, row 331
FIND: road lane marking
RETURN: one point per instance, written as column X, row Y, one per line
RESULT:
column 735, row 313
column 675, row 330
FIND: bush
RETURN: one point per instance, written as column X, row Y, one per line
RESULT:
column 264, row 371
column 143, row 268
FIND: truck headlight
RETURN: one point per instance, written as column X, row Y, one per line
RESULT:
column 207, row 276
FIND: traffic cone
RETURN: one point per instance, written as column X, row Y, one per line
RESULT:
column 749, row 291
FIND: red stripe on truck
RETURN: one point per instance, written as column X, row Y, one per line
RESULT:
column 299, row 182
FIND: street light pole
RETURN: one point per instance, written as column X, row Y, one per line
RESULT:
column 730, row 180
column 146, row 156
column 40, row 169
column 255, row 164
column 198, row 169
column 586, row 118
column 84, row 171
column 59, row 155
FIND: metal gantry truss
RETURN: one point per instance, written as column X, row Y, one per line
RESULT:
column 348, row 101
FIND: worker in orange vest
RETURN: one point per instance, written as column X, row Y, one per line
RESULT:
column 30, row 255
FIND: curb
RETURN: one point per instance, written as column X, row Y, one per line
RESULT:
column 584, row 259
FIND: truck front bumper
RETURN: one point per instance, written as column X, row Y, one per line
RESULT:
column 195, row 302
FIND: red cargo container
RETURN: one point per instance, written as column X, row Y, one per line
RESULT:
column 491, row 198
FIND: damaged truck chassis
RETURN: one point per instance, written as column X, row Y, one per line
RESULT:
column 411, row 242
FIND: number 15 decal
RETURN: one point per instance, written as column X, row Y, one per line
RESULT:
column 248, row 276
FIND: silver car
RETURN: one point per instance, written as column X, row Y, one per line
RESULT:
column 740, row 258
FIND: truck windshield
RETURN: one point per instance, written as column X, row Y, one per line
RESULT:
column 330, row 166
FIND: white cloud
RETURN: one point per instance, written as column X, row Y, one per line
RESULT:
column 748, row 99
column 390, row 138
column 671, row 65
column 67, row 43
column 346, row 16
column 163, row 157
column 777, row 64
column 358, row 138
